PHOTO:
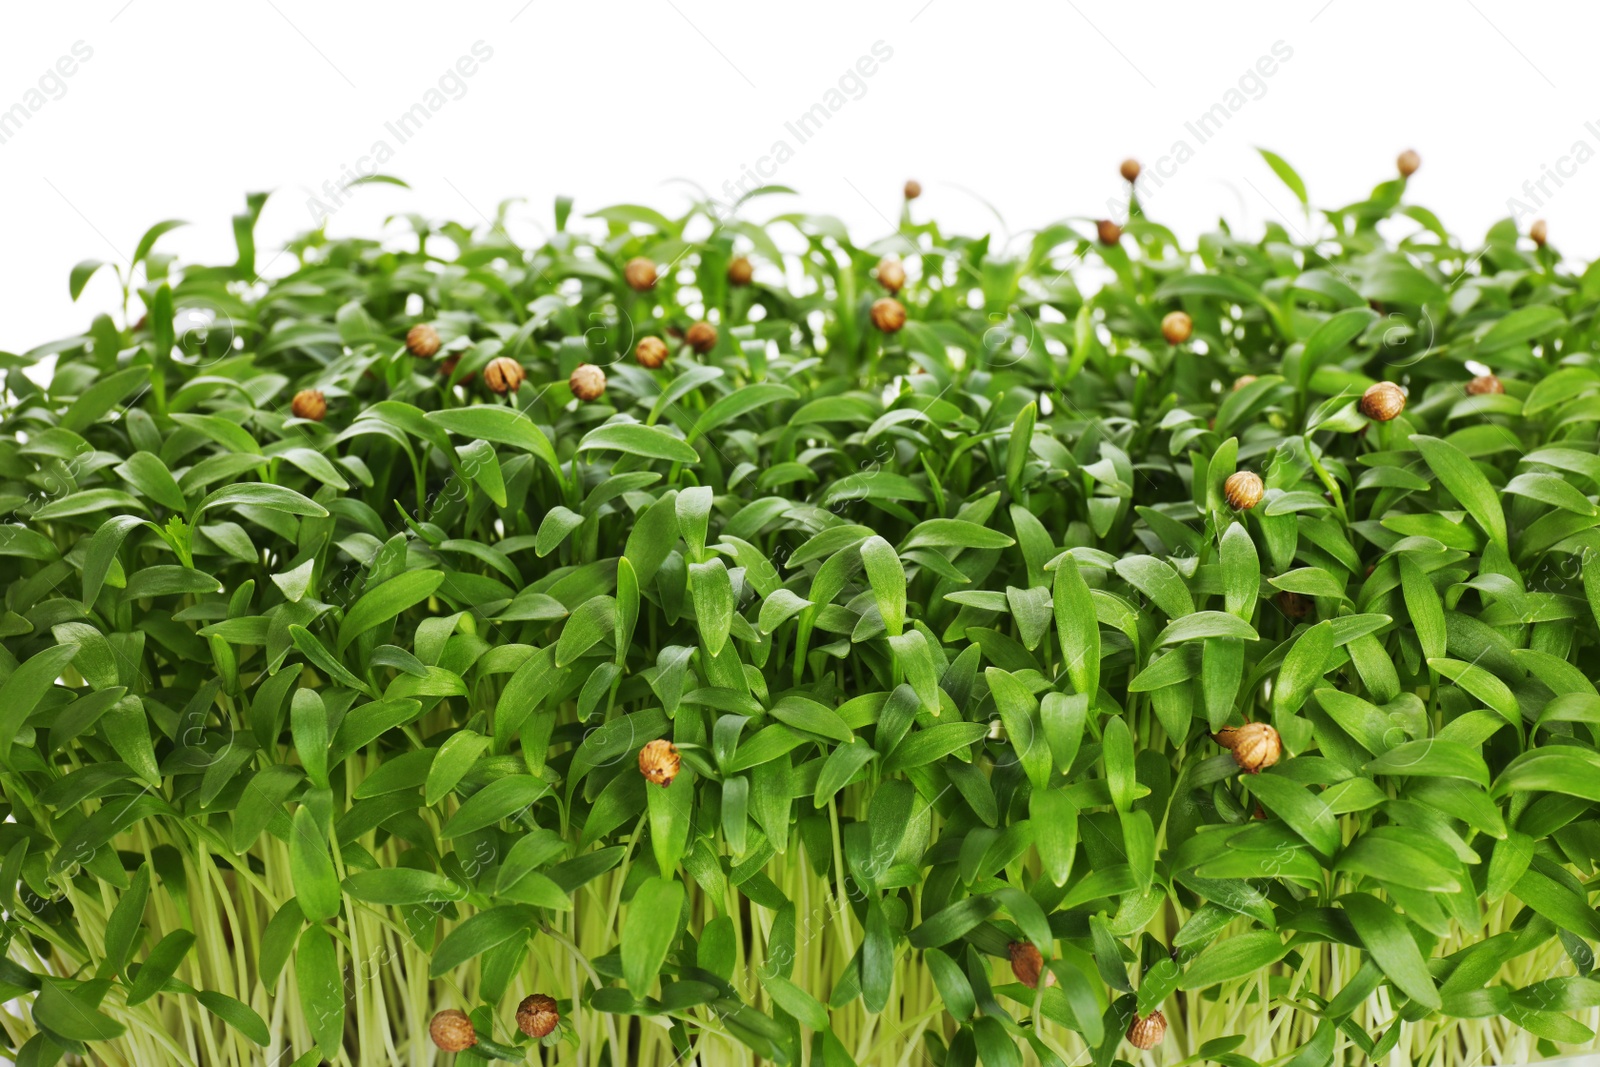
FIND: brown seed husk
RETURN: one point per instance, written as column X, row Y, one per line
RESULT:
column 1176, row 327
column 422, row 341
column 537, row 1015
column 504, row 375
column 888, row 314
column 1408, row 163
column 1255, row 745
column 659, row 762
column 651, row 352
column 702, row 337
column 1539, row 231
column 1243, row 490
column 1293, row 605
column 1026, row 962
column 1109, row 232
column 891, row 275
column 1131, row 169
column 1147, row 1030
column 1383, row 401
column 740, row 271
column 309, row 404
column 452, row 1031
column 587, row 382
column 1484, row 384
column 640, row 274
column 913, row 189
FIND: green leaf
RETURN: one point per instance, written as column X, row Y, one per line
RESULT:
column 1286, row 174
column 1480, row 683
column 479, row 934
column 238, row 1015
column 1233, row 957
column 151, row 236
column 1301, row 670
column 401, row 885
column 316, row 971
column 1425, row 607
column 649, row 930
column 952, row 922
column 1462, row 479
column 387, row 600
column 1389, row 942
column 308, row 719
column 125, row 925
column 922, row 747
column 712, row 590
column 1331, row 338
column 803, row 713
column 81, row 273
column 1077, row 628
column 1432, row 758
column 27, row 686
column 1519, row 327
column 1552, row 769
column 796, row 1001
column 500, row 799
column 503, row 426
column 637, row 439
column 954, row 533
column 261, row 495
column 160, row 966
column 888, row 579
column 739, row 402
column 316, row 887
column 1205, row 624
column 72, row 1014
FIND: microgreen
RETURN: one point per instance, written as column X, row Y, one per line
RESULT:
column 701, row 640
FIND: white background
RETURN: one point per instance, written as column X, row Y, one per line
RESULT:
column 185, row 106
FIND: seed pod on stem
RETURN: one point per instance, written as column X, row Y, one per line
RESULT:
column 888, row 314
column 537, row 1015
column 640, row 274
column 1383, row 401
column 1255, row 745
column 452, row 1031
column 1147, row 1030
column 740, row 271
column 702, row 337
column 1109, row 232
column 1027, row 963
column 651, row 352
column 1484, row 384
column 891, row 275
column 422, row 341
column 1243, row 490
column 659, row 762
column 1131, row 169
column 309, row 404
column 1539, row 232
column 587, row 382
column 1407, row 163
column 1176, row 327
column 913, row 189
column 504, row 375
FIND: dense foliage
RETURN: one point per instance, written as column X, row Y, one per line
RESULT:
column 830, row 693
